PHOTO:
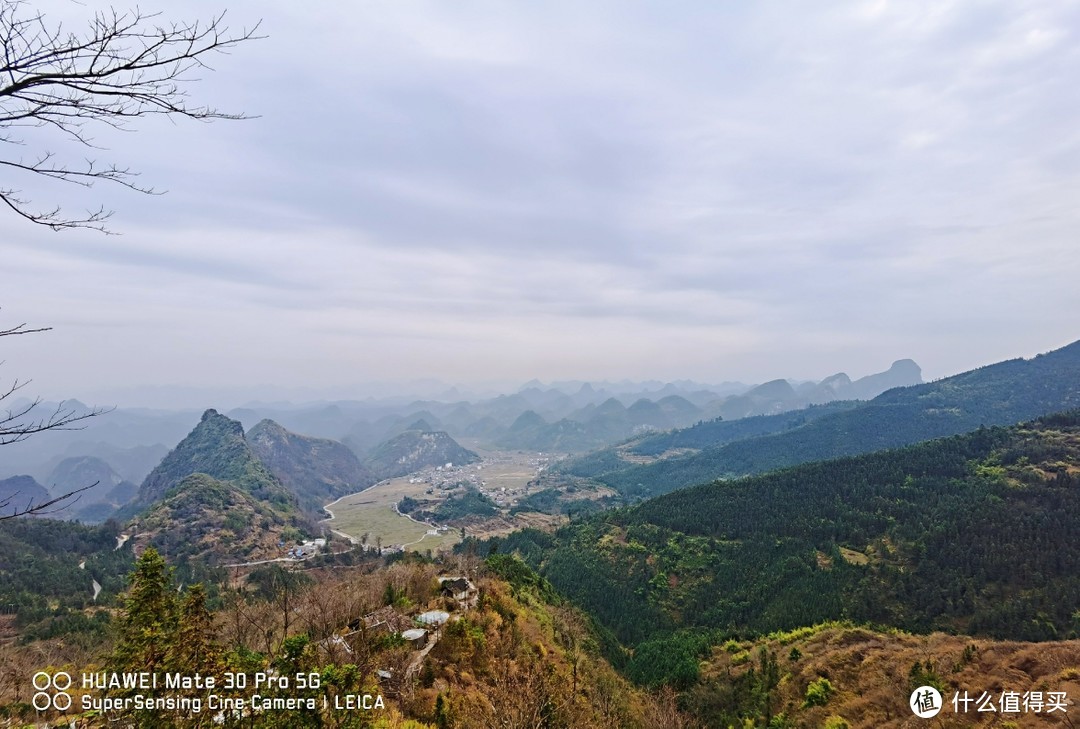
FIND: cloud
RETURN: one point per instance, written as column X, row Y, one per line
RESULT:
column 504, row 192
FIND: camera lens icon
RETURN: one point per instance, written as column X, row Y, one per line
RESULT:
column 51, row 691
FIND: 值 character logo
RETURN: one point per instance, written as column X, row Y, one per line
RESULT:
column 925, row 702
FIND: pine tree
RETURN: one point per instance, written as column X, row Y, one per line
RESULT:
column 192, row 648
column 149, row 619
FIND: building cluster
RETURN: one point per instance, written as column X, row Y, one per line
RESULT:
column 446, row 479
column 308, row 548
column 419, row 630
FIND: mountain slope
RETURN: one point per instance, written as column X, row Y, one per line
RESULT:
column 19, row 493
column 1000, row 394
column 108, row 490
column 218, row 448
column 415, row 449
column 972, row 533
column 315, row 470
column 212, row 497
column 211, row 522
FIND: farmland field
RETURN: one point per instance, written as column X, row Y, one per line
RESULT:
column 372, row 512
column 503, row 476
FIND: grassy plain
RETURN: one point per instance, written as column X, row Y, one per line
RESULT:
column 372, row 512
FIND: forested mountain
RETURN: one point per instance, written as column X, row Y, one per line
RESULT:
column 212, row 497
column 218, row 448
column 416, row 449
column 208, row 522
column 48, row 569
column 1000, row 394
column 972, row 533
column 316, row 470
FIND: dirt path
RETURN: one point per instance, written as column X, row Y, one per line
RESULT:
column 416, row 663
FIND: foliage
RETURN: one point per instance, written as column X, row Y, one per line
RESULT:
column 969, row 532
column 669, row 661
column 162, row 630
column 42, row 583
column 470, row 503
column 818, row 693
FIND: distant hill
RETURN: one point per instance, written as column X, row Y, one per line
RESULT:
column 79, row 471
column 230, row 476
column 100, row 501
column 778, row 396
column 316, row 470
column 595, row 425
column 902, row 373
column 19, row 493
column 1000, row 394
column 416, row 449
column 531, row 432
column 130, row 464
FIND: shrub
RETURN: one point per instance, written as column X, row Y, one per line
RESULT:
column 818, row 693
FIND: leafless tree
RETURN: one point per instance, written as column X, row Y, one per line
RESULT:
column 121, row 66
column 26, row 419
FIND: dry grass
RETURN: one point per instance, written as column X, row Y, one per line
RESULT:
column 870, row 672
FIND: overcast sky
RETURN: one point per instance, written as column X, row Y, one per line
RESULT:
column 501, row 191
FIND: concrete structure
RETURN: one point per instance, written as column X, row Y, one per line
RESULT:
column 417, row 637
column 433, row 617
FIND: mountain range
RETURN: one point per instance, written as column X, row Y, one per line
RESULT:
column 133, row 440
column 999, row 394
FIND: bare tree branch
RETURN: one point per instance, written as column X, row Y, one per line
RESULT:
column 125, row 65
column 41, row 508
column 21, row 422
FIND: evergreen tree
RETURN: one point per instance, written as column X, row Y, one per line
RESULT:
column 192, row 648
column 149, row 619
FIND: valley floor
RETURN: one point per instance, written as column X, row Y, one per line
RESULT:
column 371, row 516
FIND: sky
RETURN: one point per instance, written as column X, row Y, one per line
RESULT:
column 483, row 192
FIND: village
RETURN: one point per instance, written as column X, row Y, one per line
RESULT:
column 373, row 518
column 504, row 471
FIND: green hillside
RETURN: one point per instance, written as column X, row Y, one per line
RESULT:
column 205, row 521
column 972, row 533
column 218, row 448
column 316, row 470
column 42, row 583
column 212, row 497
